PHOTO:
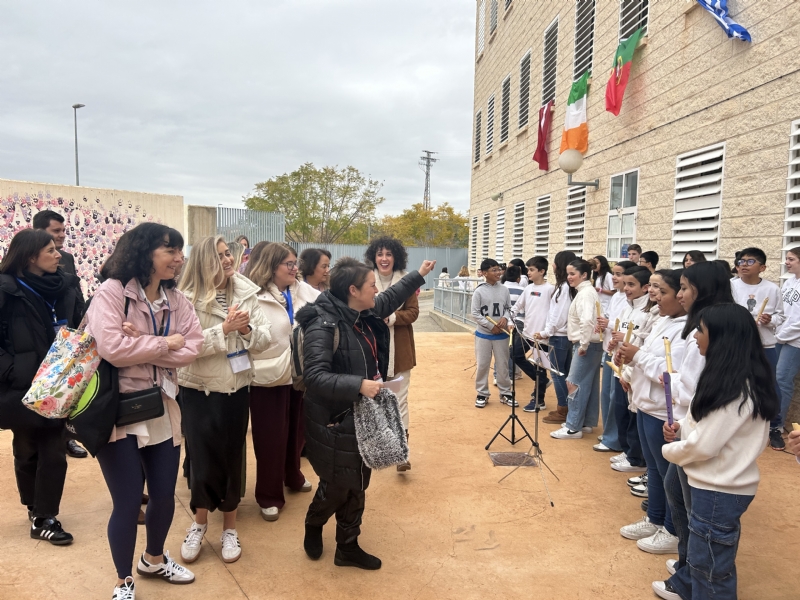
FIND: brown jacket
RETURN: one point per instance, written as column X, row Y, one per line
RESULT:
column 405, row 355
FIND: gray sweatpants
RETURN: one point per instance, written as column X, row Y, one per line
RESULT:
column 483, row 356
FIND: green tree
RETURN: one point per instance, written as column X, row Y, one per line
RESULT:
column 441, row 226
column 319, row 205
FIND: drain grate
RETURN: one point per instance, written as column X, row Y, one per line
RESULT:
column 512, row 459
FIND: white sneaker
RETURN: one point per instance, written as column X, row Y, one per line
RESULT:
column 494, row 381
column 168, row 570
column 307, row 487
column 618, row 457
column 193, row 543
column 637, row 480
column 640, row 491
column 624, row 466
column 125, row 591
column 583, row 429
column 641, row 529
column 660, row 590
column 270, row 514
column 601, row 447
column 231, row 548
column 662, row 542
column 562, row 433
column 672, row 565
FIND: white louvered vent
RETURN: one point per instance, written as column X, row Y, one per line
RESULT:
column 791, row 220
column 550, row 63
column 508, row 3
column 505, row 109
column 519, row 230
column 500, row 235
column 485, row 245
column 698, row 201
column 576, row 216
column 542, row 226
column 524, row 89
column 584, row 37
column 632, row 16
column 478, row 137
column 481, row 25
column 490, row 126
column 492, row 17
column 473, row 244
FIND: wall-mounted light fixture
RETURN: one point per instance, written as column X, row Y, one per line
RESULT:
column 569, row 162
column 498, row 196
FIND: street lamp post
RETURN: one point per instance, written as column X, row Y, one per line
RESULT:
column 75, row 108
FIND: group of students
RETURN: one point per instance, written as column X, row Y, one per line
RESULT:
column 732, row 343
column 218, row 345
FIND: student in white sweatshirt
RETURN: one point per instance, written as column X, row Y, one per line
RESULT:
column 721, row 437
column 602, row 279
column 644, row 369
column 789, row 338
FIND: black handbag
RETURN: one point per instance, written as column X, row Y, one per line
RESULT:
column 141, row 405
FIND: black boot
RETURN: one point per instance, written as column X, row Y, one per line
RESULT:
column 313, row 542
column 351, row 555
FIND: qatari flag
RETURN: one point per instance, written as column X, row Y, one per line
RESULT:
column 545, row 118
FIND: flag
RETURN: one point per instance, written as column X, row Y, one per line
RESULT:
column 545, row 118
column 719, row 8
column 620, row 70
column 576, row 131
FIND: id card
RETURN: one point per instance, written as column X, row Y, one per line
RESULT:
column 239, row 361
column 59, row 325
column 169, row 388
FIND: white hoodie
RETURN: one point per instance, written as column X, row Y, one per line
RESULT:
column 634, row 313
column 789, row 332
column 557, row 316
column 684, row 382
column 534, row 305
column 752, row 296
column 582, row 317
column 616, row 307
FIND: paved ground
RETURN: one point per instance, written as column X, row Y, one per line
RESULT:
column 424, row 323
column 446, row 529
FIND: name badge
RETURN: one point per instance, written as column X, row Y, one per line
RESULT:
column 59, row 325
column 169, row 388
column 239, row 361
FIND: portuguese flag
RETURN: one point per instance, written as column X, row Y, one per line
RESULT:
column 576, row 131
column 615, row 89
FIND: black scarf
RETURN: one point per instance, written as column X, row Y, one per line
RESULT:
column 50, row 286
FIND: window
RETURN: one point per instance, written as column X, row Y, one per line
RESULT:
column 485, row 245
column 500, row 235
column 549, row 61
column 791, row 220
column 473, row 243
column 505, row 109
column 492, row 17
column 632, row 16
column 698, row 201
column 490, row 126
column 584, row 37
column 508, row 3
column 481, row 25
column 542, row 226
column 576, row 214
column 519, row 230
column 478, row 137
column 622, row 214
column 524, row 89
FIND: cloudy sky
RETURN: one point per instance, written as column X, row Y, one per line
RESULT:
column 204, row 99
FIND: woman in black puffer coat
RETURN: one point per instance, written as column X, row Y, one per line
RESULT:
column 36, row 299
column 334, row 381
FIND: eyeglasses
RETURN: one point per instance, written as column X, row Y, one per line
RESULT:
column 291, row 265
column 749, row 262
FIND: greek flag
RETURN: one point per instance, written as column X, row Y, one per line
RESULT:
column 719, row 8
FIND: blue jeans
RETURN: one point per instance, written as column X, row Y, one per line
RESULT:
column 714, row 530
column 562, row 353
column 584, row 402
column 627, row 430
column 679, row 498
column 610, row 431
column 787, row 366
column 536, row 374
column 652, row 437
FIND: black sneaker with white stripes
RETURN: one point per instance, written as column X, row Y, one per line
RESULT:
column 50, row 530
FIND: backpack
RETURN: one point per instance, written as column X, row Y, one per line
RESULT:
column 298, row 336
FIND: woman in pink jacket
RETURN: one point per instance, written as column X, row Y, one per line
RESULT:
column 147, row 329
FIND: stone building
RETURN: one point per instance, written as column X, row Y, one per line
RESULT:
column 705, row 153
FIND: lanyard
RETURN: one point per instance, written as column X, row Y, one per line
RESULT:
column 162, row 331
column 289, row 308
column 52, row 306
column 373, row 345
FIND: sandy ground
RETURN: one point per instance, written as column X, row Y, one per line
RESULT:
column 446, row 529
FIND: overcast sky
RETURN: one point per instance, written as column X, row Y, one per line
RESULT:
column 204, row 99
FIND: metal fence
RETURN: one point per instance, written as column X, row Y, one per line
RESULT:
column 453, row 298
column 452, row 258
column 258, row 226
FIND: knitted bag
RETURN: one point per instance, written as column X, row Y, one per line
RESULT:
column 379, row 430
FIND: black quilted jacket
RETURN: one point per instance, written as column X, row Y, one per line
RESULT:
column 334, row 379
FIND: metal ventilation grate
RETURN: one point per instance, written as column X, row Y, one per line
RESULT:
column 584, row 37
column 550, row 63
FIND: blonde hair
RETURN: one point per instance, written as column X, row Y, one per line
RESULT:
column 464, row 272
column 203, row 273
column 265, row 258
column 237, row 252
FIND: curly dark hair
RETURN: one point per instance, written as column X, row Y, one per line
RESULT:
column 391, row 244
column 133, row 254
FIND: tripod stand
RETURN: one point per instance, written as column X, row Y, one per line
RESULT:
column 513, row 418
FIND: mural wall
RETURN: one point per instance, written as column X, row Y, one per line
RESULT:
column 95, row 218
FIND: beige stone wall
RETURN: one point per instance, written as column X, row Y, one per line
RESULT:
column 690, row 87
column 201, row 221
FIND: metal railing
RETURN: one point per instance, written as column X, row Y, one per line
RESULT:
column 453, row 297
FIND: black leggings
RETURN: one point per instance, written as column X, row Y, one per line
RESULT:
column 122, row 463
column 40, row 464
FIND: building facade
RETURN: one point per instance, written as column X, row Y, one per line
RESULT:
column 704, row 154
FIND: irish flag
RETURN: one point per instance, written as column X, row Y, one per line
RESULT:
column 576, row 131
column 615, row 89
